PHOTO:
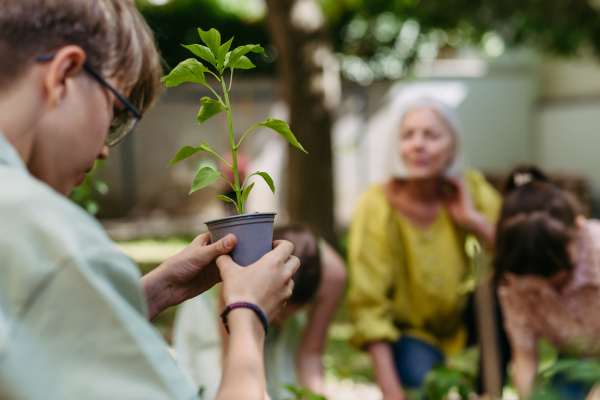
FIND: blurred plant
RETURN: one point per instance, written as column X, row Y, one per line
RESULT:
column 301, row 393
column 192, row 70
column 386, row 38
column 85, row 194
column 573, row 370
column 443, row 379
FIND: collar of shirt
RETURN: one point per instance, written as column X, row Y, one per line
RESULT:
column 9, row 156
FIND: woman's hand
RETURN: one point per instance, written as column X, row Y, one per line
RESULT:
column 463, row 212
column 459, row 204
column 267, row 283
column 185, row 275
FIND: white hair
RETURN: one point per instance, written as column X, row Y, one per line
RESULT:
column 395, row 166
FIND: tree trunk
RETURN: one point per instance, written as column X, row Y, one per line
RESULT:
column 310, row 84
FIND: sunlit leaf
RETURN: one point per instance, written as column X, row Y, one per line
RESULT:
column 284, row 130
column 242, row 50
column 246, row 193
column 267, row 179
column 203, row 52
column 204, row 177
column 183, row 153
column 190, row 70
column 209, row 108
column 212, row 39
column 223, row 51
column 244, row 63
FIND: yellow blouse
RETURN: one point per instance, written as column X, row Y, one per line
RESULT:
column 404, row 279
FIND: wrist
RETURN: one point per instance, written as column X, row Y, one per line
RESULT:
column 158, row 292
column 245, row 320
column 250, row 306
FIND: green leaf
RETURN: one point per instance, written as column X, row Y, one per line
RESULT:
column 203, row 52
column 204, row 177
column 226, row 59
column 190, row 70
column 209, row 109
column 240, row 51
column 227, row 199
column 223, row 51
column 267, row 179
column 284, row 130
column 246, row 193
column 244, row 63
column 212, row 39
column 183, row 153
column 205, row 147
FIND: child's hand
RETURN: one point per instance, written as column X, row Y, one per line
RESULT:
column 267, row 283
column 185, row 275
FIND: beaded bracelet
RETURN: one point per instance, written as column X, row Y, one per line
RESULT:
column 255, row 308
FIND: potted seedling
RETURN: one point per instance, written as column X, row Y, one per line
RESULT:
column 254, row 232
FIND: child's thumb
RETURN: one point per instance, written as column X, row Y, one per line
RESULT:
column 221, row 247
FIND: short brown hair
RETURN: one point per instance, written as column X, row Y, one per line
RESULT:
column 536, row 226
column 115, row 37
column 306, row 247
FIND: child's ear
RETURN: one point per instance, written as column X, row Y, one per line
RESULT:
column 67, row 63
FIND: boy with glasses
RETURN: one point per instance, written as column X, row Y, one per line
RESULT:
column 75, row 77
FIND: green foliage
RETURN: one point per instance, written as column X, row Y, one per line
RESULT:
column 267, row 179
column 301, row 393
column 384, row 38
column 84, row 195
column 284, row 130
column 177, row 22
column 209, row 108
column 443, row 379
column 204, row 177
column 192, row 70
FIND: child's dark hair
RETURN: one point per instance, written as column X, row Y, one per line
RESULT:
column 536, row 226
column 306, row 248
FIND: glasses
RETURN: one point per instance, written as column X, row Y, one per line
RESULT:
column 124, row 121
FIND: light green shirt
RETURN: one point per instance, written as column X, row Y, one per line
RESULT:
column 72, row 314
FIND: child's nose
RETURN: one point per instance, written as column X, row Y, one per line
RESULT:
column 103, row 155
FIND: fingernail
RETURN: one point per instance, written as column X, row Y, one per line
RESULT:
column 227, row 241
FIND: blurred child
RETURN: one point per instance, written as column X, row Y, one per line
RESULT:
column 295, row 343
column 548, row 274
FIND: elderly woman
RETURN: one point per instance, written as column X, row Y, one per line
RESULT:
column 407, row 248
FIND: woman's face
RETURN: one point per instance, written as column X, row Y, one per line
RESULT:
column 426, row 144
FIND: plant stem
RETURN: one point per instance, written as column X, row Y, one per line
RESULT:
column 218, row 97
column 238, row 190
column 230, row 81
column 243, row 137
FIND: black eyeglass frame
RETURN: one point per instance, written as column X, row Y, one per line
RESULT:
column 136, row 113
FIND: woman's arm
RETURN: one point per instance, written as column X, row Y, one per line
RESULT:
column 329, row 296
column 385, row 371
column 525, row 366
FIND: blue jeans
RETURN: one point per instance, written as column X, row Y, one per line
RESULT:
column 414, row 359
column 569, row 390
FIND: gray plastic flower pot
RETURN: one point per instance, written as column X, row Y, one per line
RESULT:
column 254, row 233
